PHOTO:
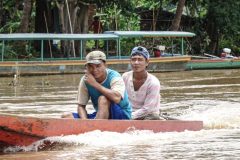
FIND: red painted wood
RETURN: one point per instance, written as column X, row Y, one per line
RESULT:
column 16, row 139
column 17, row 130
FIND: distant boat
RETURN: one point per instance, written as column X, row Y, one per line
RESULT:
column 118, row 58
column 23, row 131
column 212, row 62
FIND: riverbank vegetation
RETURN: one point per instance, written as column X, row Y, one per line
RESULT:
column 215, row 23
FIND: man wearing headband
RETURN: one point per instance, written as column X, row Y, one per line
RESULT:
column 142, row 87
column 105, row 88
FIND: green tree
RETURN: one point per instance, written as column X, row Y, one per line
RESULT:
column 27, row 9
column 177, row 19
column 223, row 24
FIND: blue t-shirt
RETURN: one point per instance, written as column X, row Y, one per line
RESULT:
column 95, row 94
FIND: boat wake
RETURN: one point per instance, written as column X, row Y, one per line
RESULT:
column 94, row 138
column 98, row 140
column 214, row 114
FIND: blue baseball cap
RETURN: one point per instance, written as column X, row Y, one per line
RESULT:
column 139, row 50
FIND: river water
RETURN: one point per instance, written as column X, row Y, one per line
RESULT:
column 211, row 96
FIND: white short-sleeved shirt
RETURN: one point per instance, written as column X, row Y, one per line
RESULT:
column 146, row 100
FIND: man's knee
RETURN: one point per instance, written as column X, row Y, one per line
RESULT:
column 103, row 101
column 103, row 108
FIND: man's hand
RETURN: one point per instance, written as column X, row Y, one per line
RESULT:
column 112, row 95
column 90, row 79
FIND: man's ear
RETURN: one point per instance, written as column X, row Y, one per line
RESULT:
column 105, row 63
column 147, row 62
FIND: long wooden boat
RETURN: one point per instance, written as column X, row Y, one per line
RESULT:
column 41, row 64
column 78, row 66
column 23, row 131
column 213, row 63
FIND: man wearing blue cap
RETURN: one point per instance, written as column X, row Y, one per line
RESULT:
column 142, row 87
column 105, row 88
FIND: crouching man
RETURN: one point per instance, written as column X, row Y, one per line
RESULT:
column 105, row 88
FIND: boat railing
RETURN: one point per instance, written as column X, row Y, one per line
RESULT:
column 153, row 35
column 51, row 39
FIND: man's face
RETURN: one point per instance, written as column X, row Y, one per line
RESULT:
column 138, row 63
column 97, row 70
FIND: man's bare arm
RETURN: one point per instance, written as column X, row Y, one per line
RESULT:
column 82, row 111
column 112, row 95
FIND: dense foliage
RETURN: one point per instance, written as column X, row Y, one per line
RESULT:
column 225, row 20
column 216, row 23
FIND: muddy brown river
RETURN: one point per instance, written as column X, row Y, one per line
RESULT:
column 212, row 96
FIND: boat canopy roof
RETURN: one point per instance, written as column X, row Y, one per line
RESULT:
column 151, row 33
column 46, row 36
column 108, row 35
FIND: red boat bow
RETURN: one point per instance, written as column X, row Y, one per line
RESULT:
column 23, row 131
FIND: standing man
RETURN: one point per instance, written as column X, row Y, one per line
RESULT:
column 143, row 88
column 97, row 28
column 106, row 89
column 96, row 25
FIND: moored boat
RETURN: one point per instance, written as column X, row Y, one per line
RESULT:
column 77, row 66
column 23, row 131
column 213, row 63
column 57, row 63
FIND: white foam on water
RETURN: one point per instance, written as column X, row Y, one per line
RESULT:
column 214, row 114
column 161, row 141
column 98, row 138
column 95, row 138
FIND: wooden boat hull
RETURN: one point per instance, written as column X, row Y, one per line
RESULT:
column 197, row 64
column 23, row 131
column 161, row 64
